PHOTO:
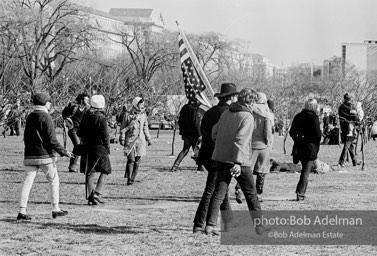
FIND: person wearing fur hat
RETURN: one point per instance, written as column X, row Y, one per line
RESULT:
column 93, row 131
column 40, row 144
column 134, row 136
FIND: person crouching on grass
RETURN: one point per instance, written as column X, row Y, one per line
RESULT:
column 95, row 138
column 134, row 136
column 40, row 143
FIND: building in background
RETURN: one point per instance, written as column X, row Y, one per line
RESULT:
column 110, row 27
column 150, row 18
column 332, row 68
column 371, row 56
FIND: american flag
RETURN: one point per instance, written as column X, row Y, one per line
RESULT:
column 193, row 77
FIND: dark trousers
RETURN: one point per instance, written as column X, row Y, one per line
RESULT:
column 188, row 141
column 99, row 186
column 15, row 128
column 72, row 134
column 303, row 182
column 259, row 183
column 201, row 212
column 132, row 166
column 349, row 147
column 223, row 180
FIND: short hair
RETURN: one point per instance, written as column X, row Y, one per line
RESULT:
column 81, row 97
column 247, row 96
column 311, row 104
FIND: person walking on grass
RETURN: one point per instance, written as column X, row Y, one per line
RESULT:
column 134, row 136
column 40, row 143
column 306, row 134
column 227, row 95
column 93, row 131
column 189, row 129
column 348, row 119
column 232, row 153
column 72, row 115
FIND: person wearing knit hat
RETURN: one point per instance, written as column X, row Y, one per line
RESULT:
column 41, row 98
column 134, row 136
column 93, row 131
column 40, row 144
column 97, row 101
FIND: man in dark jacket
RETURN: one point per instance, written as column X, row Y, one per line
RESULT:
column 189, row 129
column 40, row 147
column 227, row 95
column 72, row 114
column 348, row 119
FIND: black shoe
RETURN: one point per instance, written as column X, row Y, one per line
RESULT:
column 356, row 163
column 174, row 169
column 91, row 200
column 98, row 198
column 72, row 169
column 238, row 197
column 210, row 230
column 130, row 182
column 58, row 213
column 21, row 216
column 197, row 230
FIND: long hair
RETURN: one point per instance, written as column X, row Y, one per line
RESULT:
column 247, row 96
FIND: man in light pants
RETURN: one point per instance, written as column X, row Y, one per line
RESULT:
column 40, row 143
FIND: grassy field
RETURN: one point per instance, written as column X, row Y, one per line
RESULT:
column 154, row 216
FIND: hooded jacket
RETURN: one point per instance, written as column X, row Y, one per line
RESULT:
column 263, row 122
column 233, row 134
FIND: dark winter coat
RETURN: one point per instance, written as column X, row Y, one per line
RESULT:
column 306, row 134
column 40, row 138
column 347, row 114
column 210, row 118
column 94, row 135
column 74, row 112
column 189, row 121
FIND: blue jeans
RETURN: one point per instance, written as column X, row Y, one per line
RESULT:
column 201, row 212
column 246, row 182
column 303, row 182
column 349, row 146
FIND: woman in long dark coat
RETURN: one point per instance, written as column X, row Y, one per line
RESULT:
column 306, row 134
column 95, row 140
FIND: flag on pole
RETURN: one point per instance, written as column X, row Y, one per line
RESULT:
column 193, row 76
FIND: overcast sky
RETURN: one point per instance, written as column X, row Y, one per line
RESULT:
column 286, row 31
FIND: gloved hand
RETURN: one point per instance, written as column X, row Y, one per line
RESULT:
column 149, row 142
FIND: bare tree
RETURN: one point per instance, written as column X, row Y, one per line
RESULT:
column 46, row 36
